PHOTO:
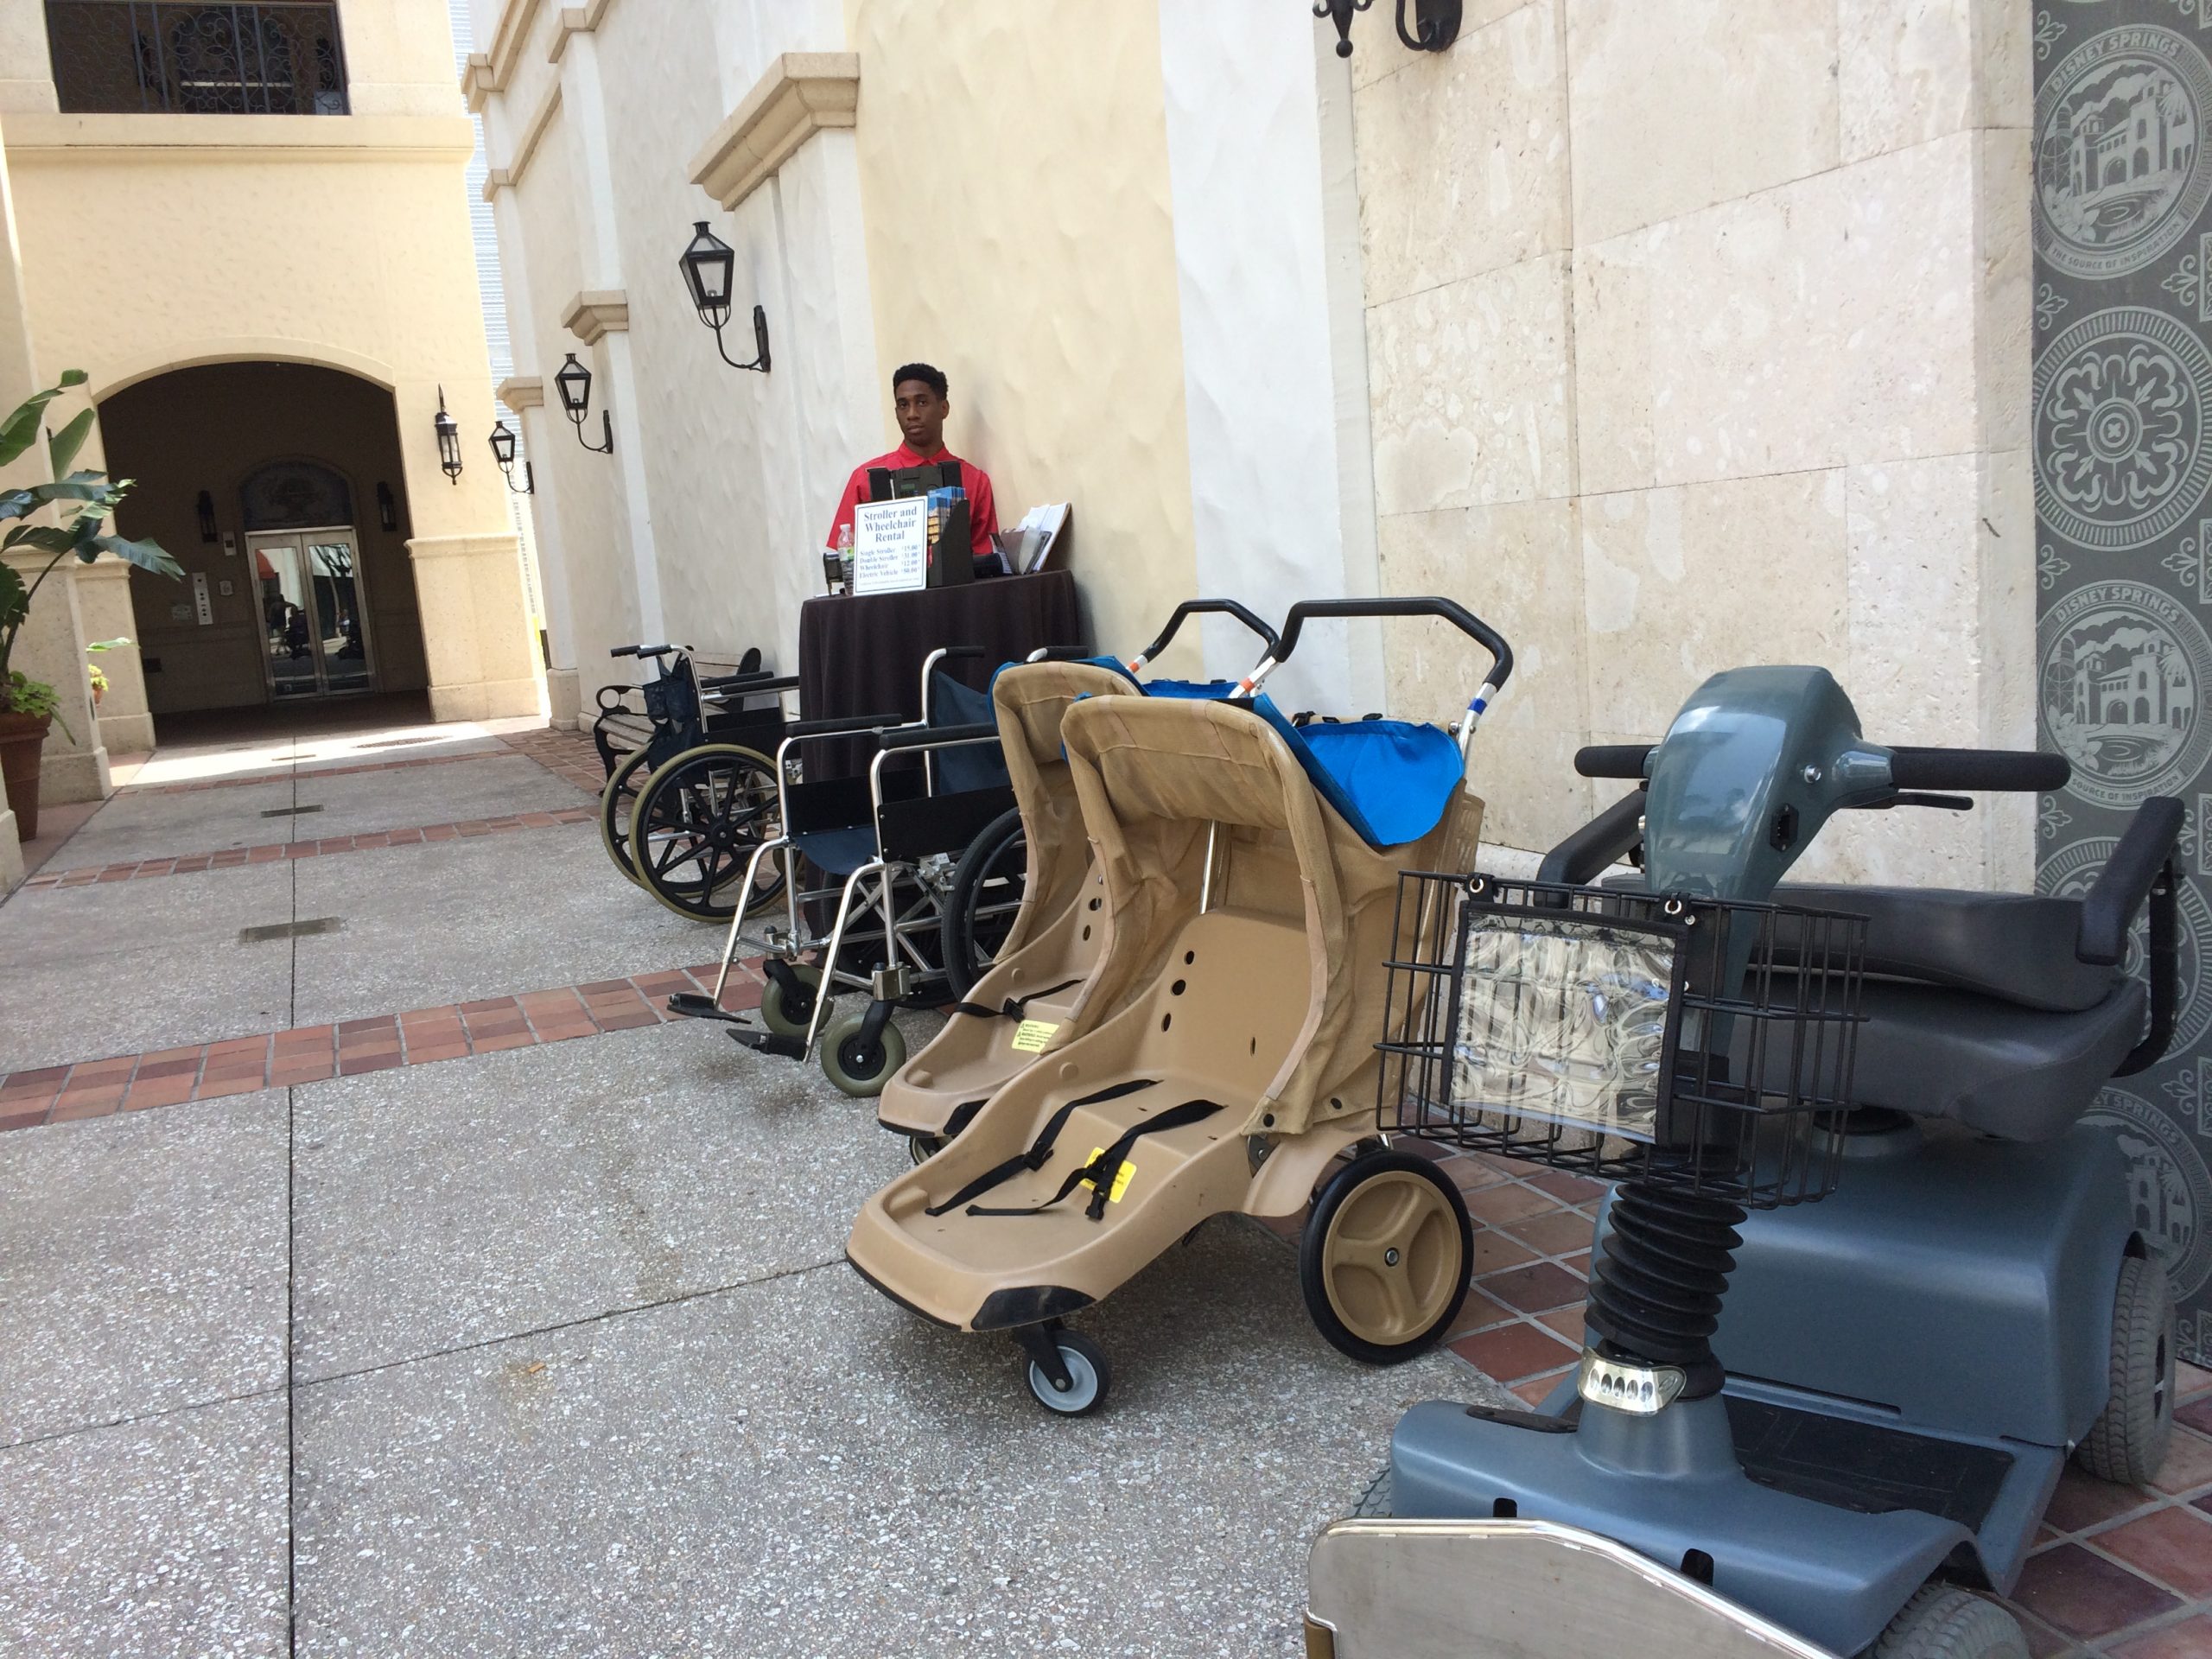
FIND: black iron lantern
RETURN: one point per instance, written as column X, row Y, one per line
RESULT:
column 449, row 441
column 1435, row 22
column 387, row 509
column 574, row 384
column 207, row 507
column 707, row 265
column 503, row 451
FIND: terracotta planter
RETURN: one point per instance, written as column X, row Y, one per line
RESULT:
column 21, row 738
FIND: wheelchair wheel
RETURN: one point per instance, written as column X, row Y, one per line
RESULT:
column 986, row 895
column 1384, row 1260
column 861, row 1068
column 618, row 803
column 789, row 1016
column 695, row 825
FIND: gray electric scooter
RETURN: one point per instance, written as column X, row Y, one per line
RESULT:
column 1798, row 1426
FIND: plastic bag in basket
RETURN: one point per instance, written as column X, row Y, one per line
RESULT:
column 1562, row 1022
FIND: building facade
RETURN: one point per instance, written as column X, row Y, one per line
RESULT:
column 250, row 227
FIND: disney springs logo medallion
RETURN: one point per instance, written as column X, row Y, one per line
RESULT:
column 2123, row 666
column 2122, row 453
column 2119, row 173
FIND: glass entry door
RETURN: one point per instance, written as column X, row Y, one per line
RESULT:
column 314, row 620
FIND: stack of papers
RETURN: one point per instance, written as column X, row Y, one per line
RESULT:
column 1028, row 546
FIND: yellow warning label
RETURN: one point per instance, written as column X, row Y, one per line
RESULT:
column 1122, row 1176
column 1031, row 1035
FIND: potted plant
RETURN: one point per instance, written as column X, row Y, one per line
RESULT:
column 81, row 501
column 94, row 672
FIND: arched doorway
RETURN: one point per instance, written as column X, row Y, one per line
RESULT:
column 279, row 488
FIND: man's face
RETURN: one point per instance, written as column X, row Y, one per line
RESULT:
column 921, row 415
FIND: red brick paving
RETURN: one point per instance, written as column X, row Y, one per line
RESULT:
column 571, row 755
column 191, row 863
column 59, row 1094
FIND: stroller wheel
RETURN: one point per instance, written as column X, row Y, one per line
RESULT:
column 1384, row 1259
column 922, row 1147
column 1089, row 1377
column 1944, row 1622
column 785, row 1012
column 856, row 1064
column 2128, row 1441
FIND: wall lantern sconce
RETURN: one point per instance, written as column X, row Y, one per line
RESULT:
column 503, row 451
column 206, row 507
column 574, row 384
column 387, row 509
column 449, row 441
column 1436, row 23
column 708, row 265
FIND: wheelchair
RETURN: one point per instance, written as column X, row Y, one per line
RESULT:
column 688, row 777
column 873, row 855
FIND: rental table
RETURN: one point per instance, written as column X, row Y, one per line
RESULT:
column 862, row 654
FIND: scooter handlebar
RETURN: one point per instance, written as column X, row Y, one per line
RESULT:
column 2013, row 771
column 1613, row 761
column 1191, row 607
column 1434, row 605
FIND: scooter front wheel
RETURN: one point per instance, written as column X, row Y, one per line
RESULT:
column 1384, row 1259
column 1944, row 1622
column 1089, row 1377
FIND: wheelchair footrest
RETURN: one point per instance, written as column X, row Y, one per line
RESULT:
column 692, row 1005
column 768, row 1042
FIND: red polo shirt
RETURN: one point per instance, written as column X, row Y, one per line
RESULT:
column 983, row 511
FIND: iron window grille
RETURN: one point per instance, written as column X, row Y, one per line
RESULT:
column 189, row 57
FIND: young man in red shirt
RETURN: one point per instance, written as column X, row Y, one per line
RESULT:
column 917, row 396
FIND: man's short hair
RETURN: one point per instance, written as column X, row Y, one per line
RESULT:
column 932, row 378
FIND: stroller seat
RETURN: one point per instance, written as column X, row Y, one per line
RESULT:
column 1977, row 1010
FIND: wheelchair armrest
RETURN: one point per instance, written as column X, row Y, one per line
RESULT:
column 848, row 723
column 1606, row 839
column 938, row 737
column 751, row 684
column 2109, row 910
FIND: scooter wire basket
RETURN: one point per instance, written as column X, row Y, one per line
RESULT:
column 1702, row 1046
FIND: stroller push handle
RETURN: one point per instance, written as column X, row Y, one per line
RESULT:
column 1458, row 616
column 1203, row 606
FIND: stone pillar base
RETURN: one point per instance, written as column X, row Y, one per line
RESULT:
column 564, row 698
column 11, row 853
column 127, row 734
column 79, row 775
column 485, row 700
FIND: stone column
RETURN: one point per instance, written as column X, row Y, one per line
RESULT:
column 526, row 395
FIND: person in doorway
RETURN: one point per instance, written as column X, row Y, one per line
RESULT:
column 917, row 396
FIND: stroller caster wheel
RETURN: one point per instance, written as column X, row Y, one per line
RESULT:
column 1089, row 1377
column 857, row 1064
column 1384, row 1260
column 1944, row 1622
column 2128, row 1441
column 785, row 1011
column 922, row 1147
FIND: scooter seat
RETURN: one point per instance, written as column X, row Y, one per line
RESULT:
column 2016, row 1073
column 2015, row 946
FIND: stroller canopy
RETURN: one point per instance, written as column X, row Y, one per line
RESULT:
column 1391, row 780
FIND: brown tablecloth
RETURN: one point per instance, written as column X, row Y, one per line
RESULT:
column 862, row 654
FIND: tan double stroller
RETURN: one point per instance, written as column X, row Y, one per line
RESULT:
column 1057, row 933
column 1220, row 1054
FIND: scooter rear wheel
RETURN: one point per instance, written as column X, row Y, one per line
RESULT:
column 2128, row 1441
column 1944, row 1622
column 1384, row 1259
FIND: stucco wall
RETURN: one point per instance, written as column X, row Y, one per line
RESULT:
column 1698, row 337
column 338, row 240
column 1015, row 171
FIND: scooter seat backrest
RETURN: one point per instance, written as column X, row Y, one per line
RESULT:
column 2017, row 948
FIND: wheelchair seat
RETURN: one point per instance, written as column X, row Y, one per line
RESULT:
column 1977, row 1010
